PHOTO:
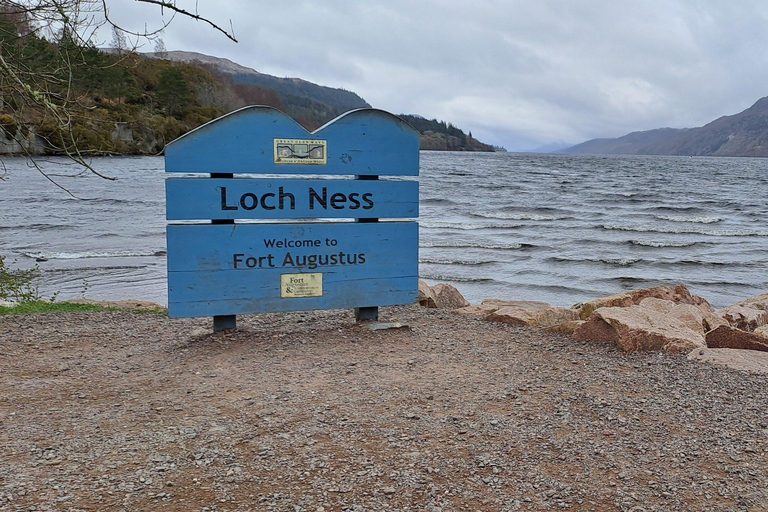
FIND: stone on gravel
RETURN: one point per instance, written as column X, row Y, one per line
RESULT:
column 384, row 326
column 738, row 359
column 730, row 337
column 566, row 328
column 532, row 313
column 426, row 295
column 447, row 296
column 481, row 310
column 440, row 296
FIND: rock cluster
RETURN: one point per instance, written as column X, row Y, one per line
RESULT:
column 669, row 319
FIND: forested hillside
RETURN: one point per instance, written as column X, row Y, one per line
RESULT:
column 88, row 101
column 442, row 136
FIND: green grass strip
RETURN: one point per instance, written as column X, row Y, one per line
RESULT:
column 41, row 306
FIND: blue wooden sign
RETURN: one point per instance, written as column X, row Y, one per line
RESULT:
column 231, row 257
column 263, row 140
column 196, row 199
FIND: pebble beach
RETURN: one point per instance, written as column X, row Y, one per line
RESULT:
column 310, row 411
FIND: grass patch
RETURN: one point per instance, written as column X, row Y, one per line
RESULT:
column 42, row 306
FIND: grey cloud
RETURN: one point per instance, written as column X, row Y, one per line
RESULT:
column 518, row 73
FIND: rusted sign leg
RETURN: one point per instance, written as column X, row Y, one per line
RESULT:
column 367, row 313
column 224, row 322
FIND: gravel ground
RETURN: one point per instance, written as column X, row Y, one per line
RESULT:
column 311, row 412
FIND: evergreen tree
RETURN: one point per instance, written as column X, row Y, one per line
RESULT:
column 173, row 94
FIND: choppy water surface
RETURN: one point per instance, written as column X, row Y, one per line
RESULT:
column 557, row 228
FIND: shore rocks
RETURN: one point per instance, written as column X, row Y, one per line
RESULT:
column 440, row 296
column 649, row 319
column 426, row 295
column 737, row 359
column 535, row 314
column 679, row 295
column 447, row 296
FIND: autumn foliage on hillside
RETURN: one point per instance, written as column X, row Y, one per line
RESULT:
column 72, row 96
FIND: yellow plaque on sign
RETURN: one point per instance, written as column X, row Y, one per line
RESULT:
column 300, row 151
column 293, row 286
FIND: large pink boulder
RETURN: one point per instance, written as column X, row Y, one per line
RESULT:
column 758, row 301
column 698, row 319
column 679, row 295
column 651, row 325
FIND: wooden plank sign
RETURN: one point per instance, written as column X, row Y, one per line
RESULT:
column 236, row 254
column 196, row 199
column 360, row 265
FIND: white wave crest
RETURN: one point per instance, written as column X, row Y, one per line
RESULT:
column 466, row 226
column 43, row 255
column 468, row 245
column 654, row 243
column 454, row 262
column 517, row 216
column 688, row 218
column 691, row 230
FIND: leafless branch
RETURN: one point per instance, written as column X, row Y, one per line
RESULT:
column 171, row 6
column 49, row 94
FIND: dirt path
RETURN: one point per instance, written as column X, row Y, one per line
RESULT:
column 311, row 412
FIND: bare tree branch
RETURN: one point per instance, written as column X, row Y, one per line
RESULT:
column 47, row 54
column 171, row 6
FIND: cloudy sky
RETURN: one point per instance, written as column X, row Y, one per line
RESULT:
column 518, row 73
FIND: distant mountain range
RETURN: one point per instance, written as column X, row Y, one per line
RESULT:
column 742, row 134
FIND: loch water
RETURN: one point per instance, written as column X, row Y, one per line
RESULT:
column 557, row 228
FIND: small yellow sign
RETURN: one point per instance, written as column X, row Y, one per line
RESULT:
column 293, row 286
column 301, row 151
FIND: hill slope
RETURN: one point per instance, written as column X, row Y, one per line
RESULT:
column 311, row 104
column 742, row 134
